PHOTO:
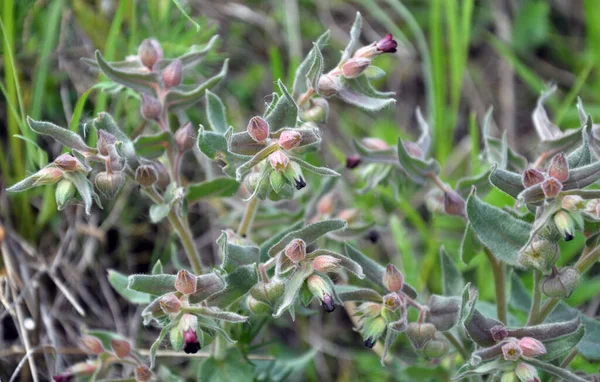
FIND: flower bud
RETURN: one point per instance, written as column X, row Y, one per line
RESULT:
column 435, row 348
column 499, row 333
column 413, row 149
column 531, row 177
column 68, row 162
column 278, row 160
column 170, row 303
column 172, row 74
column 354, row 67
column 321, row 290
column 559, row 168
column 593, row 207
column 369, row 309
column 142, row 373
column 420, row 333
column 562, row 283
column 109, row 185
column 163, row 174
column 268, row 292
column 326, row 263
column 573, row 203
column 393, row 278
column 277, row 180
column 327, row 204
column 352, row 161
column 551, row 187
column 531, row 347
column 375, row 144
column 289, row 139
column 350, row 215
column 185, row 137
column 294, row 174
column 387, row 44
column 511, row 351
column 565, row 224
column 541, row 254
column 527, row 373
column 120, row 347
column 317, row 111
column 104, row 140
column 65, row 190
column 185, row 282
column 257, row 307
column 454, row 204
column 329, row 85
column 146, row 175
column 392, row 307
column 372, row 330
column 188, row 326
column 258, row 129
column 92, row 344
column 150, row 108
column 296, row 250
column 372, row 236
column 148, row 53
column 66, row 376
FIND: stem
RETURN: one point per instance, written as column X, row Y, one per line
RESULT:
column 305, row 97
column 177, row 170
column 182, row 229
column 537, row 298
column 246, row 223
column 438, row 182
column 457, row 344
column 554, row 370
column 500, row 286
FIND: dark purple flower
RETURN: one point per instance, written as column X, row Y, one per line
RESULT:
column 63, row 377
column 190, row 340
column 387, row 44
column 352, row 161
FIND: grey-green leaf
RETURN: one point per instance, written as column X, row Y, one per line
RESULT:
column 292, row 288
column 178, row 99
column 64, row 136
column 119, row 282
column 309, row 234
column 215, row 188
column 452, row 280
column 416, row 168
column 156, row 285
column 143, row 82
column 285, row 111
column 235, row 255
column 215, row 112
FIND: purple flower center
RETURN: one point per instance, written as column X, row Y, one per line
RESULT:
column 387, row 44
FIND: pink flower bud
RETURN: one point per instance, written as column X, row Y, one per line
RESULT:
column 499, row 333
column 454, row 204
column 146, row 175
column 120, row 347
column 143, row 373
column 375, row 144
column 329, row 85
column 531, row 347
column 552, row 187
column 104, row 140
column 296, row 250
column 511, row 351
column 559, row 168
column 573, row 203
column 352, row 161
column 149, row 52
column 527, row 373
column 66, row 376
column 172, row 74
column 393, row 279
column 278, row 160
column 326, row 263
column 387, row 44
column 185, row 282
column 350, row 215
column 48, row 175
column 185, row 137
column 67, row 162
column 109, row 184
column 258, row 129
column 354, row 67
column 92, row 344
column 413, row 149
column 289, row 139
column 170, row 303
column 327, row 204
column 531, row 177
column 151, row 108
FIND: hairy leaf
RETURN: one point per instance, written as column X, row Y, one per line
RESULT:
column 215, row 188
column 64, row 136
column 309, row 234
column 215, row 112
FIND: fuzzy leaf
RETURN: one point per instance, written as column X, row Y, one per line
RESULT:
column 157, row 269
column 153, row 146
column 31, row 181
column 589, row 346
column 285, row 111
column 443, row 311
column 239, row 282
column 560, row 346
column 256, row 159
column 156, row 285
column 363, row 101
column 508, row 182
column 470, row 246
column 119, row 282
column 159, row 211
column 235, row 255
column 308, row 70
column 309, row 234
column 145, row 82
column 85, row 189
column 272, row 240
column 215, row 146
column 323, row 171
column 105, row 121
column 452, row 280
column 481, row 182
column 354, row 39
column 207, row 285
column 190, row 59
column 216, row 314
column 178, row 99
column 64, row 136
column 234, row 368
column 215, row 188
column 215, row 112
column 292, row 288
column 414, row 167
column 582, row 156
column 354, row 293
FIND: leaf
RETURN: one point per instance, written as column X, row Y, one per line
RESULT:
column 272, row 240
column 354, row 293
column 215, row 188
column 239, row 282
column 232, row 369
column 309, row 234
column 417, row 169
column 159, row 211
column 323, row 171
column 354, row 39
column 470, row 246
column 452, row 280
column 364, row 101
column 547, row 331
column 161, row 337
column 292, row 288
column 215, row 146
column 145, row 82
column 157, row 269
column 235, row 255
column 153, row 146
column 64, row 136
column 187, row 16
column 498, row 230
column 215, row 313
column 589, row 346
column 242, row 170
column 85, row 189
column 554, row 370
column 444, row 311
column 284, row 366
column 582, row 156
column 560, row 346
column 105, row 121
column 178, row 99
column 156, row 285
column 105, row 337
column 311, row 61
column 34, row 180
column 509, row 182
column 285, row 111
column 215, row 112
column 519, row 296
column 119, row 282
column 545, row 129
column 481, row 182
column 207, row 285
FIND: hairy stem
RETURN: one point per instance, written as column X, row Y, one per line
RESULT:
column 500, row 286
column 305, row 97
column 537, row 298
column 246, row 223
column 457, row 344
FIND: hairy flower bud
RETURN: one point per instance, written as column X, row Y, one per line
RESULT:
column 372, row 329
column 142, row 373
column 92, row 344
column 326, row 204
column 294, row 174
column 109, row 184
column 531, row 177
column 257, row 307
column 573, row 203
column 185, row 137
column 296, row 250
column 413, row 149
column 268, row 292
column 67, row 162
column 559, row 168
column 289, row 139
column 420, row 334
column 65, row 190
column 375, row 144
column 354, row 67
column 511, row 351
column 551, row 187
column 353, row 161
column 527, row 373
column 329, row 85
column 593, row 207
column 120, row 347
column 172, row 74
column 435, row 348
column 540, row 254
column 499, row 333
column 562, row 283
column 185, row 282
column 278, row 160
column 392, row 307
column 151, row 108
column 170, row 303
column 146, row 175
column 149, row 52
column 387, row 44
column 326, row 263
column 393, row 279
column 369, row 309
column 317, row 111
column 258, row 129
column 188, row 326
column 454, row 204
column 531, row 347
column 104, row 140
column 565, row 224
column 321, row 290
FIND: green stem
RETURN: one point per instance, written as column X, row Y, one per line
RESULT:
column 246, row 223
column 500, row 286
column 457, row 344
column 537, row 298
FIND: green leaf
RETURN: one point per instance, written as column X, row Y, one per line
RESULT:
column 145, row 82
column 509, row 182
column 85, row 190
column 498, row 230
column 159, row 211
column 419, row 170
column 105, row 121
column 364, row 101
column 554, row 370
column 190, row 59
column 215, row 112
column 452, row 280
column 285, row 111
column 157, row 269
column 187, row 16
column 589, row 346
column 216, row 146
column 354, row 39
column 215, row 313
column 177, row 99
column 34, row 180
column 272, row 240
column 231, row 369
column 64, row 136
column 104, row 336
column 309, row 65
column 284, row 367
column 215, row 188
column 323, row 171
column 119, row 282
column 309, row 234
column 292, row 288
column 560, row 346
column 239, row 282
column 582, row 156
column 481, row 182
column 163, row 333
column 355, row 293
column 153, row 146
column 470, row 246
column 235, row 255
column 156, row 285
column 242, row 170
column 444, row 311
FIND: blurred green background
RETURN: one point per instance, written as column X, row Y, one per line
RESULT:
column 456, row 58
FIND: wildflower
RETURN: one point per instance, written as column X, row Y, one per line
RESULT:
column 188, row 326
column 278, row 160
column 172, row 74
column 559, row 168
column 531, row 347
column 185, row 282
column 531, row 177
column 296, row 250
column 258, row 129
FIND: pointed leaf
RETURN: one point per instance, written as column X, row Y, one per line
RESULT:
column 292, row 288
column 309, row 234
column 178, row 99
column 64, row 136
column 119, row 282
column 354, row 39
column 215, row 188
column 285, row 111
column 239, row 282
column 452, row 280
column 215, row 112
column 145, row 82
column 235, row 255
column 153, row 146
